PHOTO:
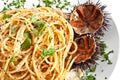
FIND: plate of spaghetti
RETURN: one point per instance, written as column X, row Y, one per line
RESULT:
column 56, row 40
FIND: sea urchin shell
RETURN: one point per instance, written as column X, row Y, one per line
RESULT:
column 86, row 18
column 86, row 47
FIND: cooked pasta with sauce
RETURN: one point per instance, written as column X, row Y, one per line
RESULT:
column 35, row 44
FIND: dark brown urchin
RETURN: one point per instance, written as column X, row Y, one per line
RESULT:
column 106, row 20
column 94, row 45
column 86, row 47
column 89, row 18
column 100, row 24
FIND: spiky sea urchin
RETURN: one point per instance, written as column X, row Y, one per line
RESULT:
column 106, row 19
column 91, row 60
column 89, row 18
column 100, row 25
column 86, row 47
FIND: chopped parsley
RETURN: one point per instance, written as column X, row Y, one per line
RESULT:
column 36, row 32
column 4, row 16
column 91, row 77
column 13, row 58
column 88, row 77
column 64, row 5
column 49, row 52
column 13, row 29
column 13, row 4
column 33, row 19
column 93, row 68
column 106, row 57
column 27, row 43
column 105, row 54
column 61, row 4
column 54, row 3
column 48, row 3
column 40, row 25
column 27, row 34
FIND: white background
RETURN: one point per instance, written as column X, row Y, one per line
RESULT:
column 113, row 7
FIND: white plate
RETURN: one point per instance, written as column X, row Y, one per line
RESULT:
column 111, row 38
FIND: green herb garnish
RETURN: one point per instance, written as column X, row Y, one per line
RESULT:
column 61, row 4
column 93, row 68
column 42, row 29
column 64, row 5
column 33, row 19
column 36, row 32
column 40, row 26
column 48, row 3
column 13, row 29
column 104, row 46
column 37, row 23
column 13, row 4
column 4, row 16
column 88, row 77
column 27, row 43
column 91, row 77
column 13, row 58
column 27, row 34
column 105, row 54
column 49, row 52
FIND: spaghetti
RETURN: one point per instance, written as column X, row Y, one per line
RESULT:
column 35, row 44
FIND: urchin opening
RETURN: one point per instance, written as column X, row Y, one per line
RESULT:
column 89, row 17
